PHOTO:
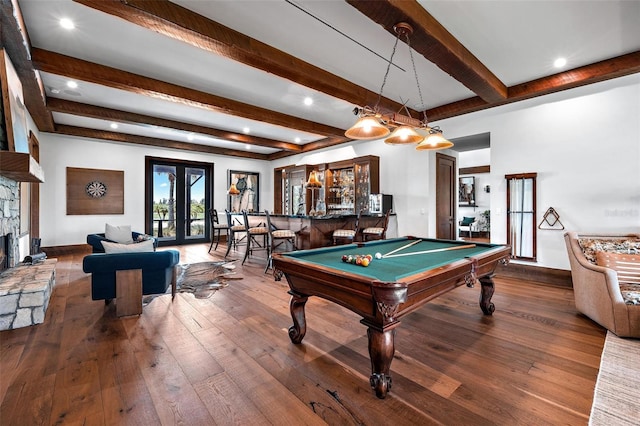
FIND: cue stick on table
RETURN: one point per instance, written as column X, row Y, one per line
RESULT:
column 432, row 251
column 401, row 248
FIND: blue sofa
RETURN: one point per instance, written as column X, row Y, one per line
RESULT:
column 157, row 271
column 95, row 241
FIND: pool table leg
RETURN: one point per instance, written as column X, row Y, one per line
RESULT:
column 381, row 350
column 486, row 293
column 296, row 307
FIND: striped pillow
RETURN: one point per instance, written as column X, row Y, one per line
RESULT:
column 627, row 266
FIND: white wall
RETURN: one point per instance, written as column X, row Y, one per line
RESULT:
column 584, row 144
column 57, row 152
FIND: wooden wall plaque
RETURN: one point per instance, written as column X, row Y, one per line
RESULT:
column 95, row 191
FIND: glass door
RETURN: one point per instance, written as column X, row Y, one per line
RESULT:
column 178, row 201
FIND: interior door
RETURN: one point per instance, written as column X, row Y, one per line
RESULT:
column 446, row 197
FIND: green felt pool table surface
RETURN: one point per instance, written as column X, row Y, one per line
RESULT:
column 396, row 267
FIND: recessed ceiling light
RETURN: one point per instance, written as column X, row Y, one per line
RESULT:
column 72, row 84
column 247, row 147
column 308, row 101
column 297, row 140
column 67, row 24
column 560, row 62
column 113, row 126
column 56, row 91
column 246, row 130
column 190, row 136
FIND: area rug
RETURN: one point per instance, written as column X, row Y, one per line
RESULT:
column 616, row 400
column 203, row 279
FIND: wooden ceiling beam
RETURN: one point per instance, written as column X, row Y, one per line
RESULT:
column 92, row 111
column 157, row 142
column 14, row 39
column 619, row 66
column 436, row 44
column 67, row 66
column 177, row 22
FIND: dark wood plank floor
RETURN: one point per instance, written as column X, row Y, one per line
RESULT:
column 228, row 359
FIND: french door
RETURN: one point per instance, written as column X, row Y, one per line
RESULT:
column 178, row 199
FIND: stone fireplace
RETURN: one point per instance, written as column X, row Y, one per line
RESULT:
column 24, row 289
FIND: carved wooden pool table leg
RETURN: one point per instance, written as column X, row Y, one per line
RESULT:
column 381, row 350
column 296, row 307
column 486, row 293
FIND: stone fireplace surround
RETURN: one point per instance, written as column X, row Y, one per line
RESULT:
column 24, row 289
column 10, row 216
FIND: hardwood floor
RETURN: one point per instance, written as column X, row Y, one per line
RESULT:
column 228, row 359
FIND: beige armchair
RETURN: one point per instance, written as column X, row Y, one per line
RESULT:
column 596, row 288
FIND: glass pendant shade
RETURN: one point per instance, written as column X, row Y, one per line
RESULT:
column 367, row 128
column 434, row 141
column 404, row 135
column 233, row 190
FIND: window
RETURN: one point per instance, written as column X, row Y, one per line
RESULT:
column 521, row 215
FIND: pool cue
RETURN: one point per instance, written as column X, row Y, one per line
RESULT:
column 402, row 248
column 433, row 251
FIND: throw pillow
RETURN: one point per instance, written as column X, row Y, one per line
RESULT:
column 119, row 234
column 466, row 221
column 144, row 246
column 591, row 246
column 627, row 266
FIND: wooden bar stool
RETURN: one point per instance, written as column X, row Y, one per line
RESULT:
column 277, row 237
column 377, row 233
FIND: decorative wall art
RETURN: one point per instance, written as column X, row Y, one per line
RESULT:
column 248, row 185
column 95, row 191
column 467, row 192
column 15, row 112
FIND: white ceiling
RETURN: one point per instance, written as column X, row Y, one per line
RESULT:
column 516, row 40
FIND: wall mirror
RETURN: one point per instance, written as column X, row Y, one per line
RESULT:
column 466, row 192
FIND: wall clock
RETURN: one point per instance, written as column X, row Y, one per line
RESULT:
column 96, row 189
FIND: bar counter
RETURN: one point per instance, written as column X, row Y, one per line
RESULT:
column 316, row 231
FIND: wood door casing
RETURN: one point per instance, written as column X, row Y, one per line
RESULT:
column 445, row 197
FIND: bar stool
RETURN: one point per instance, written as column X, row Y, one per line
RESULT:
column 377, row 233
column 277, row 237
column 253, row 232
column 348, row 235
column 216, row 228
column 232, row 233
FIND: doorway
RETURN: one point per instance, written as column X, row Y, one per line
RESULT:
column 445, row 199
column 178, row 199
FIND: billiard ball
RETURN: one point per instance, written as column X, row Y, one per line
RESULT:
column 378, row 256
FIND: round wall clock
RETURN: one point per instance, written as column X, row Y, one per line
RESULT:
column 96, row 189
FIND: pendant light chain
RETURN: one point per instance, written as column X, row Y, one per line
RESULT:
column 415, row 73
column 386, row 74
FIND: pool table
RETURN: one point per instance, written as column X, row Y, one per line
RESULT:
column 389, row 287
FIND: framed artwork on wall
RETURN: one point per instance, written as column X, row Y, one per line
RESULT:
column 15, row 112
column 94, row 191
column 467, row 192
column 245, row 194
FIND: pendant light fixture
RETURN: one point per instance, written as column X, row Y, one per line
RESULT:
column 374, row 124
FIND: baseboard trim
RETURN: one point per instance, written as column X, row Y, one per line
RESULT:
column 53, row 251
column 549, row 276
